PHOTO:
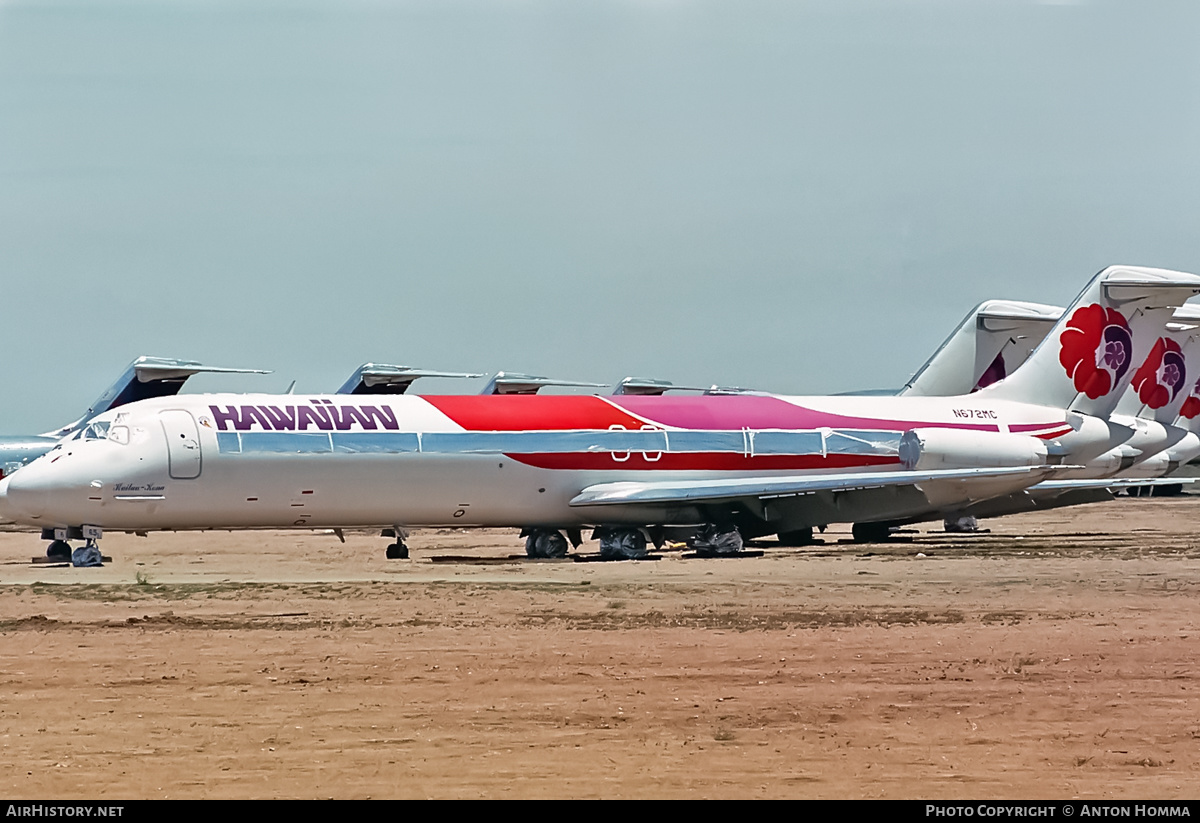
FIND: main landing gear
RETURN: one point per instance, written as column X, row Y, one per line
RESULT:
column 871, row 532
column 961, row 524
column 799, row 537
column 630, row 543
column 545, row 543
column 621, row 543
column 717, row 541
column 397, row 550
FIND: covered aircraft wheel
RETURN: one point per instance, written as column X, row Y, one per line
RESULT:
column 961, row 524
column 59, row 550
column 799, row 537
column 712, row 541
column 545, row 543
column 622, row 544
column 397, row 551
column 871, row 532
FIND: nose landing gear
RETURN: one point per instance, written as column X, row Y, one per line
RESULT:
column 59, row 551
column 397, row 550
column 87, row 555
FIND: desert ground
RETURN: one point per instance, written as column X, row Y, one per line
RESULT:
column 1055, row 657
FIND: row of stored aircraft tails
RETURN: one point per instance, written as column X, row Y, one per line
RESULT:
column 996, row 422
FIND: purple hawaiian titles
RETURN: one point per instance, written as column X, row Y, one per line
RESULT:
column 317, row 415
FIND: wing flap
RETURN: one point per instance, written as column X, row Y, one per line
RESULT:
column 1110, row 483
column 691, row 491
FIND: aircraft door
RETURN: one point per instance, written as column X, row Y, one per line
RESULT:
column 183, row 443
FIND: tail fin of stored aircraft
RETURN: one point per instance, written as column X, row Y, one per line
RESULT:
column 1090, row 356
column 1189, row 411
column 147, row 377
column 1163, row 381
column 990, row 343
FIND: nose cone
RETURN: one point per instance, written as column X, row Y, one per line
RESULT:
column 5, row 513
column 22, row 501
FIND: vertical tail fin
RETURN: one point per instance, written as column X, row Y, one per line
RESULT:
column 1092, row 353
column 993, row 340
column 1161, row 383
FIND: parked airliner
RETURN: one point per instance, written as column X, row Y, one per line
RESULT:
column 735, row 465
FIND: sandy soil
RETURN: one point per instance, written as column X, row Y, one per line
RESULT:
column 1053, row 658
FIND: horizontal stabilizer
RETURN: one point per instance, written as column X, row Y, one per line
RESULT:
column 731, row 390
column 381, row 378
column 156, row 369
column 692, row 491
column 646, row 386
column 509, row 383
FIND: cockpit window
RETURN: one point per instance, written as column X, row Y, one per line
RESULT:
column 97, row 430
column 119, row 434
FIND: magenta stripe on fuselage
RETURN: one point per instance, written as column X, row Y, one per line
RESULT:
column 735, row 412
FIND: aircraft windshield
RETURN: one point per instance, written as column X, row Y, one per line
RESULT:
column 119, row 434
column 97, row 430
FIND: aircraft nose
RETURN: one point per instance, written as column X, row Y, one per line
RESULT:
column 20, row 501
column 6, row 509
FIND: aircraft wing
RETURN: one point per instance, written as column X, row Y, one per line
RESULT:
column 629, row 492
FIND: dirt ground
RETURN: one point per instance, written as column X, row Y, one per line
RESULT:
column 1053, row 658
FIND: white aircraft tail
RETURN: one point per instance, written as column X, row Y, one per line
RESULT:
column 1162, row 381
column 1091, row 355
column 994, row 339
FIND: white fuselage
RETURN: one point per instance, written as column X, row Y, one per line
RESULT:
column 261, row 461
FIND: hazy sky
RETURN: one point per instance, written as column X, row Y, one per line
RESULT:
column 797, row 196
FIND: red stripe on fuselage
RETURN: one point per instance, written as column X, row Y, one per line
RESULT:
column 709, row 461
column 1050, row 435
column 1042, row 431
column 531, row 412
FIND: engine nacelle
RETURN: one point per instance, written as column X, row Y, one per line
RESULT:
column 1185, row 451
column 1156, row 465
column 934, row 449
column 1106, row 465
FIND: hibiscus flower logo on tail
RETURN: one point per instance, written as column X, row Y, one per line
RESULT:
column 1159, row 380
column 1096, row 349
column 1191, row 406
